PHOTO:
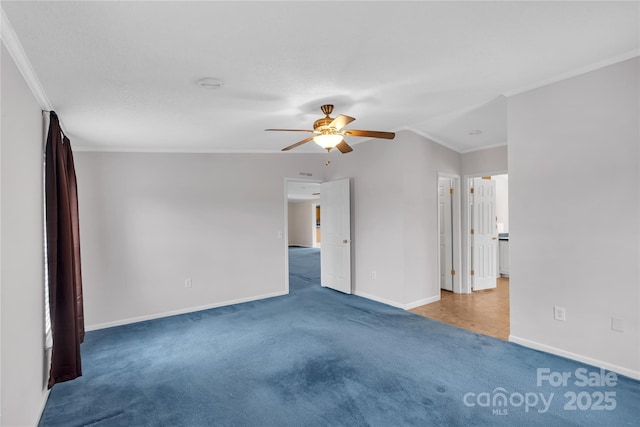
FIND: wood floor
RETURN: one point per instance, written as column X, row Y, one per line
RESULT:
column 485, row 312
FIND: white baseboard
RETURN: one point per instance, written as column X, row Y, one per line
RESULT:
column 408, row 306
column 578, row 357
column 180, row 311
column 378, row 299
column 422, row 302
column 43, row 404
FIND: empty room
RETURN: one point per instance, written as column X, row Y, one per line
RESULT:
column 258, row 213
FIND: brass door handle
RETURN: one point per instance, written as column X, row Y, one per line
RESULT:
column 495, row 238
column 345, row 241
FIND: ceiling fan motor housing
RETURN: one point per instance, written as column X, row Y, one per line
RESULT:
column 322, row 124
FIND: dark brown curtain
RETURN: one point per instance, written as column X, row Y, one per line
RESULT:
column 63, row 257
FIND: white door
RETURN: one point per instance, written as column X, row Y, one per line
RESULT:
column 335, row 234
column 484, row 236
column 445, row 231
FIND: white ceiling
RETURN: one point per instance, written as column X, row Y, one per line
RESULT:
column 122, row 75
column 298, row 191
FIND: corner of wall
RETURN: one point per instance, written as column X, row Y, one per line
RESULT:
column 22, row 352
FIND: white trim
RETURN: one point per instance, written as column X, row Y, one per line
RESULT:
column 285, row 236
column 450, row 146
column 15, row 49
column 574, row 356
column 421, row 302
column 256, row 151
column 573, row 73
column 378, row 299
column 487, row 173
column 188, row 150
column 407, row 306
column 180, row 311
column 314, row 237
column 485, row 147
column 431, row 138
column 43, row 404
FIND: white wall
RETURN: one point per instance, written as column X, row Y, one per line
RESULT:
column 22, row 366
column 394, row 216
column 150, row 221
column 302, row 223
column 574, row 175
column 484, row 161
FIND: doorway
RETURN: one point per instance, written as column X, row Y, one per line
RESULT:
column 303, row 209
column 317, row 239
column 486, row 225
column 301, row 225
column 302, row 201
column 482, row 311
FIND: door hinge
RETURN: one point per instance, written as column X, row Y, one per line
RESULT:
column 473, row 272
column 473, row 231
column 451, row 191
column 471, row 191
column 453, row 272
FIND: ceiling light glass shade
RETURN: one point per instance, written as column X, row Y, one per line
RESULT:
column 327, row 141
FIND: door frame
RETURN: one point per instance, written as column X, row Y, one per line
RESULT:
column 285, row 234
column 466, row 220
column 316, row 206
column 455, row 225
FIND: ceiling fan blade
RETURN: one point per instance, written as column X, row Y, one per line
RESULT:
column 341, row 121
column 289, row 130
column 297, row 144
column 369, row 133
column 344, row 147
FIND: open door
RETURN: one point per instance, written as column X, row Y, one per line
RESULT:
column 335, row 257
column 484, row 238
column 445, row 233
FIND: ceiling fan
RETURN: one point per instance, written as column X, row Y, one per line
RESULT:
column 330, row 132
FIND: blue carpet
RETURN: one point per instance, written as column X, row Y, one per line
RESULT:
column 316, row 357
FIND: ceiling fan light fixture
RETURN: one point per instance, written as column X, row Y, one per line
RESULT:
column 328, row 140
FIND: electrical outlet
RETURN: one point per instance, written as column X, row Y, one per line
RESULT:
column 374, row 275
column 188, row 283
column 617, row 324
column 559, row 313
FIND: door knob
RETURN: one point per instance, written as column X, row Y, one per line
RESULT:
column 345, row 241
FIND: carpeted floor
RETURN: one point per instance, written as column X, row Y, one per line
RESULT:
column 320, row 358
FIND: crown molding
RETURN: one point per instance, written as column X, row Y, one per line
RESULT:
column 15, row 49
column 573, row 73
column 484, row 147
column 430, row 137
